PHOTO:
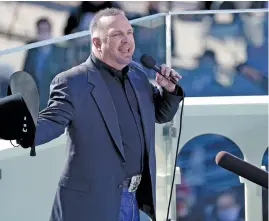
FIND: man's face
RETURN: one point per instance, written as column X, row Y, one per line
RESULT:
column 43, row 32
column 227, row 208
column 117, row 41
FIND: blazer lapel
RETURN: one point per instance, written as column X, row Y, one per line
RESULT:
column 142, row 103
column 105, row 104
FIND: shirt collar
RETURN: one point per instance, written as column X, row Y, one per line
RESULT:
column 113, row 71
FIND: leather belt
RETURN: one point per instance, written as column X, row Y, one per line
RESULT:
column 132, row 183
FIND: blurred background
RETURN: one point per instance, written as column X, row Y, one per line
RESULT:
column 224, row 54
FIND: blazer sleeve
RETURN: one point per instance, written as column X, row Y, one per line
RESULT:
column 166, row 104
column 58, row 114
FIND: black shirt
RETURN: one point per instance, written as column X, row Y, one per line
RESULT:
column 128, row 114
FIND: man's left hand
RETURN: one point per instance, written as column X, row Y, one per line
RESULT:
column 169, row 73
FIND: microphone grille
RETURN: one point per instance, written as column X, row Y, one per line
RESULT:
column 147, row 61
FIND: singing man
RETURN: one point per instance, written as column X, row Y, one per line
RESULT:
column 109, row 109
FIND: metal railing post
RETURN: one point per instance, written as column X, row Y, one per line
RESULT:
column 168, row 39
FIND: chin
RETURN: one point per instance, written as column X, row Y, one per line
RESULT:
column 125, row 60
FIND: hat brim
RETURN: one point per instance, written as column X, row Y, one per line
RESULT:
column 23, row 83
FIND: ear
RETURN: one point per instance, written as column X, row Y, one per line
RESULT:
column 97, row 43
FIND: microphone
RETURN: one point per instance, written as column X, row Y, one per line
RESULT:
column 150, row 63
column 242, row 168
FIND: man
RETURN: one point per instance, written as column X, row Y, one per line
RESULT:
column 109, row 109
column 43, row 63
column 37, row 58
column 227, row 208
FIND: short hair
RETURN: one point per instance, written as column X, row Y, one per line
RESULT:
column 104, row 13
column 43, row 20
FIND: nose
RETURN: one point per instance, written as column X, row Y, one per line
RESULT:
column 125, row 38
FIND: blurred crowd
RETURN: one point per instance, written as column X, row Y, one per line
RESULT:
column 225, row 207
column 208, row 192
column 226, row 44
column 217, row 55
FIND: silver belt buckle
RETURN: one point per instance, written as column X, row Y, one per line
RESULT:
column 135, row 181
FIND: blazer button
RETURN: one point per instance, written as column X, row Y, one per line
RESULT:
column 123, row 163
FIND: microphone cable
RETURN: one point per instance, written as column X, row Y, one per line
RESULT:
column 174, row 172
column 150, row 63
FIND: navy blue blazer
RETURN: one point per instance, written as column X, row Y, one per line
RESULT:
column 90, row 185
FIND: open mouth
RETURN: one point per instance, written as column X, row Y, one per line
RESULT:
column 125, row 50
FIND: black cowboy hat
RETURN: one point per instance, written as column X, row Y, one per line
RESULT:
column 19, row 110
